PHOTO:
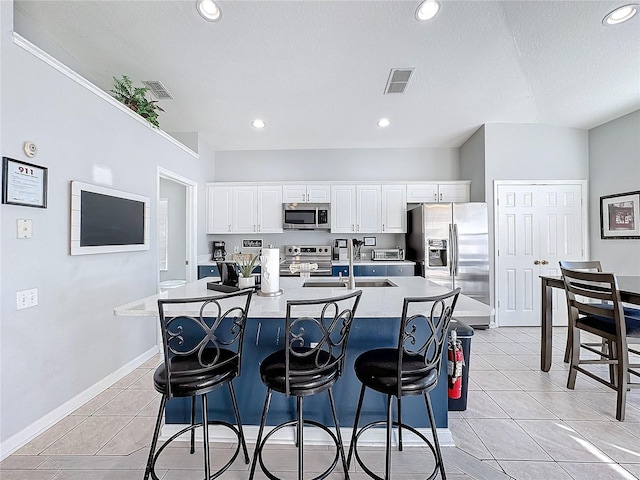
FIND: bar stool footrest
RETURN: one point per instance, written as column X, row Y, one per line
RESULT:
column 383, row 423
column 195, row 426
column 291, row 423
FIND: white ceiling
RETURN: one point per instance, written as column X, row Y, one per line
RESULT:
column 315, row 71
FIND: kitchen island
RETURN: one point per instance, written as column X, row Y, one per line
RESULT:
column 375, row 325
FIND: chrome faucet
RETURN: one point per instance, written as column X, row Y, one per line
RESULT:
column 351, row 285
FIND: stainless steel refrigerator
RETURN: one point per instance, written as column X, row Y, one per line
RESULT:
column 450, row 244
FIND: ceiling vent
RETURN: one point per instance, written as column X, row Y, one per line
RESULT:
column 157, row 89
column 398, row 80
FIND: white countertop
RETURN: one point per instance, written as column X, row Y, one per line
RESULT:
column 335, row 263
column 376, row 302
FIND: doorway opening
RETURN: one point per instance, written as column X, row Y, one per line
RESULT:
column 176, row 229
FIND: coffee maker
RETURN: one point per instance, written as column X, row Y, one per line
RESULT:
column 219, row 252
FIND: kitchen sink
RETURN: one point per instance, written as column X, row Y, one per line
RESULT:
column 359, row 283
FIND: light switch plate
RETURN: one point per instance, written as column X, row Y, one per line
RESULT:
column 25, row 228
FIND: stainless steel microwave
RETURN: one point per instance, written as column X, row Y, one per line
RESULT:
column 306, row 216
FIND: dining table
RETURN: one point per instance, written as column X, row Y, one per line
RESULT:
column 629, row 287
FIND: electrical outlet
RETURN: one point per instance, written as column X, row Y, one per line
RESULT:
column 25, row 228
column 27, row 298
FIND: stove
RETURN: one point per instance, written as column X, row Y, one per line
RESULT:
column 296, row 254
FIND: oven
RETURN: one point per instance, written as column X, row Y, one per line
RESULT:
column 306, row 216
column 302, row 254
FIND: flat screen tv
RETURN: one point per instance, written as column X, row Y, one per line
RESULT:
column 104, row 220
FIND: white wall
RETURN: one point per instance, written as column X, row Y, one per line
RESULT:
column 362, row 164
column 614, row 167
column 71, row 341
column 472, row 164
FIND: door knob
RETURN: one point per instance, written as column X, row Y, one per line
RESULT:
column 544, row 262
column 536, row 262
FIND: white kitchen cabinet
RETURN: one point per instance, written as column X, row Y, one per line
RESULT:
column 219, row 209
column 438, row 192
column 343, row 209
column 394, row 209
column 356, row 209
column 311, row 193
column 368, row 208
column 270, row 209
column 244, row 209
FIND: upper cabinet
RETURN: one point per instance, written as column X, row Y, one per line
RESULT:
column 394, row 209
column 244, row 209
column 356, row 209
column 311, row 193
column 439, row 192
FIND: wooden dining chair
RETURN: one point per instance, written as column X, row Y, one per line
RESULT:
column 595, row 307
column 584, row 266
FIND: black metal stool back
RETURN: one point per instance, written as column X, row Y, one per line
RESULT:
column 317, row 332
column 410, row 369
column 202, row 344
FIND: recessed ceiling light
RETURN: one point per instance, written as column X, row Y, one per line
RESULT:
column 384, row 122
column 427, row 10
column 257, row 123
column 621, row 14
column 209, row 10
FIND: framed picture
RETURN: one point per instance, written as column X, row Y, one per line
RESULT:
column 620, row 215
column 252, row 243
column 369, row 241
column 23, row 183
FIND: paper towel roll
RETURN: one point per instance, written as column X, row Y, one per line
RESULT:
column 270, row 270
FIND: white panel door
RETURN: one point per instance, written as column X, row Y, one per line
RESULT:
column 319, row 193
column 537, row 226
column 294, row 193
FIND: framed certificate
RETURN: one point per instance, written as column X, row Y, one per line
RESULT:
column 23, row 183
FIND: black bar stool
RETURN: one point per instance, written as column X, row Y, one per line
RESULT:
column 202, row 343
column 410, row 369
column 312, row 361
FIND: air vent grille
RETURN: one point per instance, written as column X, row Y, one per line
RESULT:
column 158, row 89
column 398, row 80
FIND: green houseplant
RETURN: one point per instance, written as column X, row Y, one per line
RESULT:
column 246, row 266
column 136, row 99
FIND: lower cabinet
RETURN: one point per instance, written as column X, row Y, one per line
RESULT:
column 266, row 335
column 208, row 271
column 375, row 270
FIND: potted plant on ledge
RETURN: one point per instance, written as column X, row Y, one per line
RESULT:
column 246, row 266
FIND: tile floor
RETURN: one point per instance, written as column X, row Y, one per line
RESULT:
column 520, row 423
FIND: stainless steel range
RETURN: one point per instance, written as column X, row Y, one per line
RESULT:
column 300, row 254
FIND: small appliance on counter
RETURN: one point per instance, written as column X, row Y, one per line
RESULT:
column 219, row 251
column 340, row 249
column 387, row 254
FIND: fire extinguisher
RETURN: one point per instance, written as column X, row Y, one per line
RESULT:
column 455, row 365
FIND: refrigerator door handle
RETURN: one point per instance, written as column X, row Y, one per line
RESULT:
column 450, row 251
column 455, row 249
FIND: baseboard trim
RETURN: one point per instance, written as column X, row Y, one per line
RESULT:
column 36, row 428
column 312, row 436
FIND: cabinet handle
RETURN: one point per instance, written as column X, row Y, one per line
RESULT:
column 258, row 227
column 229, row 227
column 307, row 197
column 358, row 228
column 383, row 227
column 435, row 197
column 258, row 333
column 440, row 197
column 353, row 228
column 278, row 337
